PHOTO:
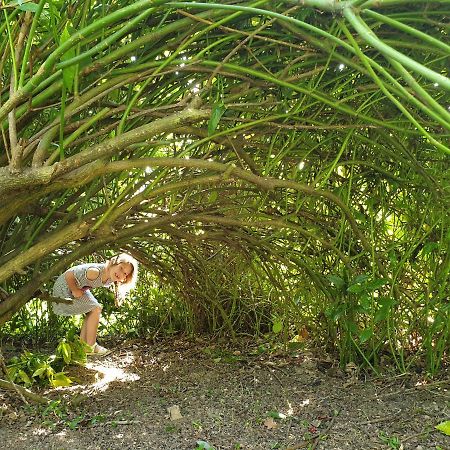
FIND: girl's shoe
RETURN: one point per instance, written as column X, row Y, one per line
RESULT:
column 98, row 350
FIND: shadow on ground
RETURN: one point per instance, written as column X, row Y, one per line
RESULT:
column 228, row 399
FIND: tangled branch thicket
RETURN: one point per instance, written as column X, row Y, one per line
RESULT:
column 274, row 165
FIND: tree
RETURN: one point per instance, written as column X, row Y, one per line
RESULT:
column 309, row 133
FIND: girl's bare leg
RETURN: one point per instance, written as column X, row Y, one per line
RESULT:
column 90, row 325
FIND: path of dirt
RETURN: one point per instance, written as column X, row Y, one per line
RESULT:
column 228, row 399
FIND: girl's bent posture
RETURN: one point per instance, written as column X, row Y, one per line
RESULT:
column 76, row 282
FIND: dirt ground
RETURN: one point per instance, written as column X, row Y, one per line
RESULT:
column 189, row 395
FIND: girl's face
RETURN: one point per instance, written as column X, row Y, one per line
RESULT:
column 120, row 272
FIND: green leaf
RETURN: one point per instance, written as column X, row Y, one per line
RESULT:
column 352, row 327
column 365, row 302
column 335, row 313
column 276, row 415
column 12, row 373
column 304, row 13
column 33, row 7
column 360, row 279
column 68, row 72
column 277, row 326
column 429, row 247
column 444, row 427
column 386, row 301
column 385, row 306
column 66, row 352
column 358, row 285
column 203, row 445
column 216, row 114
column 61, row 380
column 337, row 281
column 212, row 197
column 375, row 284
column 447, row 236
column 392, row 257
column 358, row 215
column 40, row 371
column 24, row 377
column 365, row 335
column 356, row 288
column 381, row 314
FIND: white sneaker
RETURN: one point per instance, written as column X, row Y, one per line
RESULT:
column 98, row 350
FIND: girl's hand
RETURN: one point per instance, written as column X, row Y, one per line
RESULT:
column 77, row 293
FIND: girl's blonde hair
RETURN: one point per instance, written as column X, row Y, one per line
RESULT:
column 122, row 289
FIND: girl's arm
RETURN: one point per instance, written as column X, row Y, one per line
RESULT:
column 72, row 284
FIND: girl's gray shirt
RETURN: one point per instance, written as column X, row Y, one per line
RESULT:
column 87, row 301
column 60, row 289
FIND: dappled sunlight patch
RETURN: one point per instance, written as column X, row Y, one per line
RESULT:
column 97, row 374
column 61, row 434
column 39, row 431
column 127, row 359
column 305, row 402
column 199, row 400
column 109, row 375
column 290, row 410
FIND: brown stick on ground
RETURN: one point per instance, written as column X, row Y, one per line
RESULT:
column 21, row 391
column 13, row 386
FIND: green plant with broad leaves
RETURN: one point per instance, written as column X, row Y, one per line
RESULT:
column 361, row 313
column 444, row 427
column 72, row 351
column 57, row 414
column 30, row 368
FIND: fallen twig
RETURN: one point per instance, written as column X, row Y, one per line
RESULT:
column 23, row 392
column 414, row 388
column 5, row 371
column 380, row 419
column 414, row 436
column 120, row 422
column 315, row 439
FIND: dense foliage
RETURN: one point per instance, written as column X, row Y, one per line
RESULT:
column 276, row 166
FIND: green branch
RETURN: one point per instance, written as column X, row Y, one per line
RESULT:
column 47, row 66
column 369, row 36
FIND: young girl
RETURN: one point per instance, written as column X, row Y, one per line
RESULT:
column 76, row 283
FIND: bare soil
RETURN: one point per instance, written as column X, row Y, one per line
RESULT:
column 186, row 395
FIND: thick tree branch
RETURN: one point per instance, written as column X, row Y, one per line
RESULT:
column 52, row 242
column 138, row 135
